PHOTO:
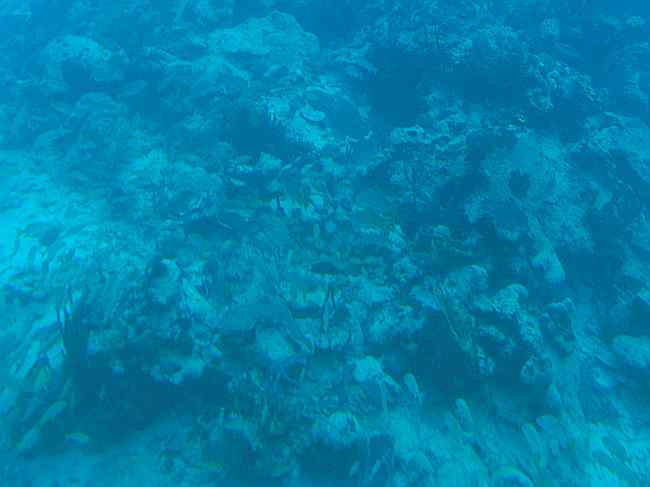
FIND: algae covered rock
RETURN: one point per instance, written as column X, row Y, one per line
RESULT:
column 378, row 386
column 81, row 63
column 537, row 373
column 262, row 43
column 339, row 430
column 550, row 267
column 557, row 324
column 634, row 352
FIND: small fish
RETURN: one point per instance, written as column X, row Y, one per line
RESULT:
column 77, row 439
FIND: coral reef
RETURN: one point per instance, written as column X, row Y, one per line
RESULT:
column 287, row 242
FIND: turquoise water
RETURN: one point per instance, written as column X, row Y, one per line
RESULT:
column 315, row 243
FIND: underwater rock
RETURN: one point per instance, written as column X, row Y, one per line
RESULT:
column 622, row 147
column 81, row 64
column 372, row 293
column 550, row 267
column 273, row 349
column 312, row 115
column 192, row 195
column 596, row 388
column 419, row 469
column 260, row 44
column 496, row 342
column 379, row 387
column 339, row 430
column 426, row 301
column 391, row 322
column 352, row 452
column 410, row 136
column 557, row 325
column 178, row 370
column 165, row 283
column 406, row 271
column 342, row 115
column 367, row 369
column 633, row 352
column 268, row 166
column 196, row 306
column 470, row 281
column 496, row 59
column 504, row 221
column 373, row 241
column 242, row 437
column 536, row 442
column 519, row 183
column 242, row 318
column 353, row 62
column 537, row 373
column 505, row 306
column 511, row 336
column 205, row 13
column 276, row 230
column 210, row 77
column 530, row 335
